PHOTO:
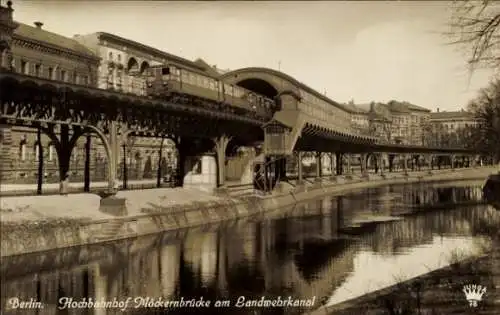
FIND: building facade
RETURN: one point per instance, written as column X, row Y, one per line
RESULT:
column 393, row 122
column 450, row 128
column 37, row 52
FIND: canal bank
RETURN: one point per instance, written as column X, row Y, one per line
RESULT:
column 153, row 211
column 439, row 291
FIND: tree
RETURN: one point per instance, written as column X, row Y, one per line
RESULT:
column 486, row 108
column 476, row 26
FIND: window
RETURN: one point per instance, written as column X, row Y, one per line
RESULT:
column 85, row 80
column 75, row 78
column 110, row 56
column 36, row 150
column 24, row 67
column 37, row 70
column 64, row 75
column 50, row 73
column 51, row 152
column 119, row 58
column 165, row 71
column 22, row 148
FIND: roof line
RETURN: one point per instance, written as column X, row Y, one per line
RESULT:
column 289, row 78
column 60, row 48
column 149, row 48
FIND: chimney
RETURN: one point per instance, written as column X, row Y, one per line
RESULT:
column 38, row 24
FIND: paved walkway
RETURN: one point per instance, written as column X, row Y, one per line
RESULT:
column 85, row 205
column 55, row 186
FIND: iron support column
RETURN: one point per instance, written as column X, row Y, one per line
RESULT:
column 349, row 171
column 332, row 164
column 86, row 171
column 160, row 156
column 40, row 161
column 125, row 168
column 220, row 150
column 318, row 165
column 338, row 161
column 299, row 166
column 390, row 159
column 113, row 155
column 380, row 160
column 363, row 164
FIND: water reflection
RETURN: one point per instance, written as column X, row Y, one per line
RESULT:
column 329, row 249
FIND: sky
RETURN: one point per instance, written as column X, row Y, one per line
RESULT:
column 360, row 51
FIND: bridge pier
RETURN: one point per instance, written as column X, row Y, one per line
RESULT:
column 220, row 151
column 339, row 161
column 391, row 162
column 405, row 163
column 381, row 162
column 299, row 167
column 348, row 156
column 319, row 166
column 332, row 164
column 364, row 164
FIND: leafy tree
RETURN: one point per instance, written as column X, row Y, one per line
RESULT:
column 475, row 25
column 486, row 107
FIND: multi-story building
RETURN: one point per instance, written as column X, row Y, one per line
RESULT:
column 40, row 53
column 123, row 68
column 360, row 119
column 124, row 62
column 394, row 122
column 407, row 122
column 450, row 128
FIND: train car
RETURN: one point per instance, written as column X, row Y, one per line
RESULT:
column 167, row 81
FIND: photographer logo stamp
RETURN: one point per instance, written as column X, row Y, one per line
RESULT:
column 474, row 293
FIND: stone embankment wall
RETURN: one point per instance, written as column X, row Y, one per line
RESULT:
column 66, row 233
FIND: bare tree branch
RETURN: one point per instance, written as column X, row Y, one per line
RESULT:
column 475, row 25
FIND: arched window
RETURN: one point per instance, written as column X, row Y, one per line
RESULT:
column 25, row 67
column 36, row 151
column 64, row 76
column 119, row 58
column 110, row 56
column 22, row 148
column 51, row 151
column 38, row 70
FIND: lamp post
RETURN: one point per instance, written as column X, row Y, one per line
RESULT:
column 126, row 148
column 160, row 156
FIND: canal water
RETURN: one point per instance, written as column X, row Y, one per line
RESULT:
column 320, row 253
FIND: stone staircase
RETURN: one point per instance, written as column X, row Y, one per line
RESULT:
column 240, row 190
